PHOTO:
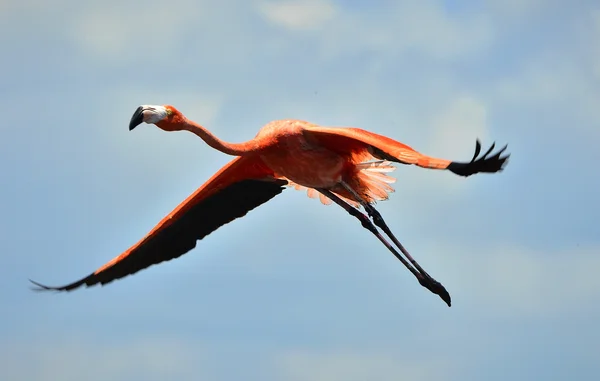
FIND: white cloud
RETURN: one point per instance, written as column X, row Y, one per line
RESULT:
column 120, row 31
column 8, row 6
column 515, row 8
column 507, row 281
column 356, row 366
column 299, row 15
column 593, row 38
column 542, row 79
column 406, row 27
column 561, row 83
column 455, row 128
column 151, row 358
column 561, row 78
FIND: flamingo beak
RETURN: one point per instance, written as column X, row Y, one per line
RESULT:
column 137, row 118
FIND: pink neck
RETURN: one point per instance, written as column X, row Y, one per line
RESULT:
column 235, row 149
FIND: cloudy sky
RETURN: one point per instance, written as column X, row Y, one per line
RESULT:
column 298, row 291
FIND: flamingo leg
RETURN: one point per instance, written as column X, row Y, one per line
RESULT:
column 424, row 279
column 380, row 222
column 367, row 224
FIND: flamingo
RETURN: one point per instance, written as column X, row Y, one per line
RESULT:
column 346, row 166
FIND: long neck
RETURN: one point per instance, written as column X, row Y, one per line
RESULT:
column 235, row 149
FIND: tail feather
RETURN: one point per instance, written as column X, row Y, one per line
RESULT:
column 373, row 181
column 377, row 166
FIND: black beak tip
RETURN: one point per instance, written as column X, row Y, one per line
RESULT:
column 137, row 118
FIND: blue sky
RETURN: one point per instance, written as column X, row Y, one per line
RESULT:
column 296, row 290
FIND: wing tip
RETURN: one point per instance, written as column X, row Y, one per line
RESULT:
column 94, row 278
column 483, row 163
column 42, row 287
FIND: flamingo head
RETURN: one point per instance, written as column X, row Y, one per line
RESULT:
column 165, row 117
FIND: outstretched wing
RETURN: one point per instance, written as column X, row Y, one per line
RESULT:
column 240, row 186
column 359, row 141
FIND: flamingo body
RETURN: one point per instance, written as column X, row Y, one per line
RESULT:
column 348, row 166
column 293, row 157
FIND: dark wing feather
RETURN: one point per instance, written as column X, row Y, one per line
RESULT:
column 198, row 216
column 482, row 164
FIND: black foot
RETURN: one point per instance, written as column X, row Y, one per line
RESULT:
column 437, row 288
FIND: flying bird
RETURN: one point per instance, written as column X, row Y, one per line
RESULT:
column 347, row 166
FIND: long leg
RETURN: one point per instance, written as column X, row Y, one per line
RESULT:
column 427, row 281
column 367, row 224
column 424, row 279
column 380, row 222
